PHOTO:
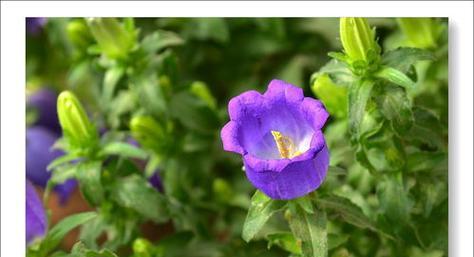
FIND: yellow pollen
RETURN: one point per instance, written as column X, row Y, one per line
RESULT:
column 285, row 145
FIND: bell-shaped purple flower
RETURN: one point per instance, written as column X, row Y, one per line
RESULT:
column 279, row 137
column 36, row 223
column 39, row 154
column 44, row 101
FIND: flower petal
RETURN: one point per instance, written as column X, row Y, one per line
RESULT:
column 279, row 89
column 229, row 137
column 295, row 180
column 250, row 102
column 36, row 223
column 314, row 112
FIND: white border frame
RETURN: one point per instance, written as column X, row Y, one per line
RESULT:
column 460, row 94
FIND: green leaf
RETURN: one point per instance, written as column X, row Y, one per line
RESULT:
column 193, row 113
column 124, row 150
column 310, row 229
column 395, row 76
column 336, row 240
column 394, row 201
column 261, row 209
column 159, row 40
column 284, row 240
column 136, row 193
column 403, row 58
column 337, row 71
column 57, row 233
column 426, row 161
column 359, row 95
column 111, row 78
column 89, row 176
column 396, row 107
column 65, row 159
column 80, row 250
column 348, row 211
column 427, row 129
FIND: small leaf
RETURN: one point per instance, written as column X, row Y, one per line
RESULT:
column 124, row 150
column 359, row 95
column 395, row 76
column 159, row 40
column 284, row 240
column 261, row 209
column 426, row 161
column 396, row 107
column 136, row 193
column 89, row 176
column 310, row 229
column 348, row 211
column 111, row 78
column 57, row 233
column 403, row 58
column 336, row 240
column 61, row 161
column 394, row 201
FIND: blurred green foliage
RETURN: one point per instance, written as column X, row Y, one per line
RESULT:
column 165, row 82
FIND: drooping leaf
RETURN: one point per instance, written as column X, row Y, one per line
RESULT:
column 284, row 240
column 57, row 233
column 136, row 193
column 395, row 76
column 261, row 209
column 89, row 176
column 402, row 58
column 124, row 150
column 310, row 228
column 159, row 40
column 359, row 95
column 396, row 107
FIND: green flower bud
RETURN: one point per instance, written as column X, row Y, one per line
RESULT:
column 358, row 40
column 113, row 38
column 147, row 132
column 142, row 247
column 332, row 95
column 79, row 34
column 420, row 32
column 77, row 129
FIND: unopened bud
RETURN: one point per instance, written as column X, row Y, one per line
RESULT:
column 77, row 128
column 357, row 38
column 147, row 132
column 114, row 40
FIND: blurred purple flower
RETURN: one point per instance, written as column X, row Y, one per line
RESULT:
column 279, row 137
column 34, row 25
column 39, row 154
column 36, row 223
column 44, row 101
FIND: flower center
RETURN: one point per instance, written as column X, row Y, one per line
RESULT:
column 285, row 145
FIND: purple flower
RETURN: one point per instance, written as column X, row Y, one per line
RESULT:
column 36, row 223
column 39, row 154
column 44, row 101
column 279, row 137
column 155, row 181
column 34, row 25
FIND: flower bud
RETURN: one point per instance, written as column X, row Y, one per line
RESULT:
column 114, row 40
column 333, row 96
column 147, row 132
column 77, row 129
column 420, row 32
column 358, row 40
column 79, row 34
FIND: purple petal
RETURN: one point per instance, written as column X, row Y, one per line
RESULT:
column 44, row 101
column 36, row 223
column 314, row 112
column 34, row 25
column 295, row 180
column 39, row 154
column 279, row 89
column 229, row 136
